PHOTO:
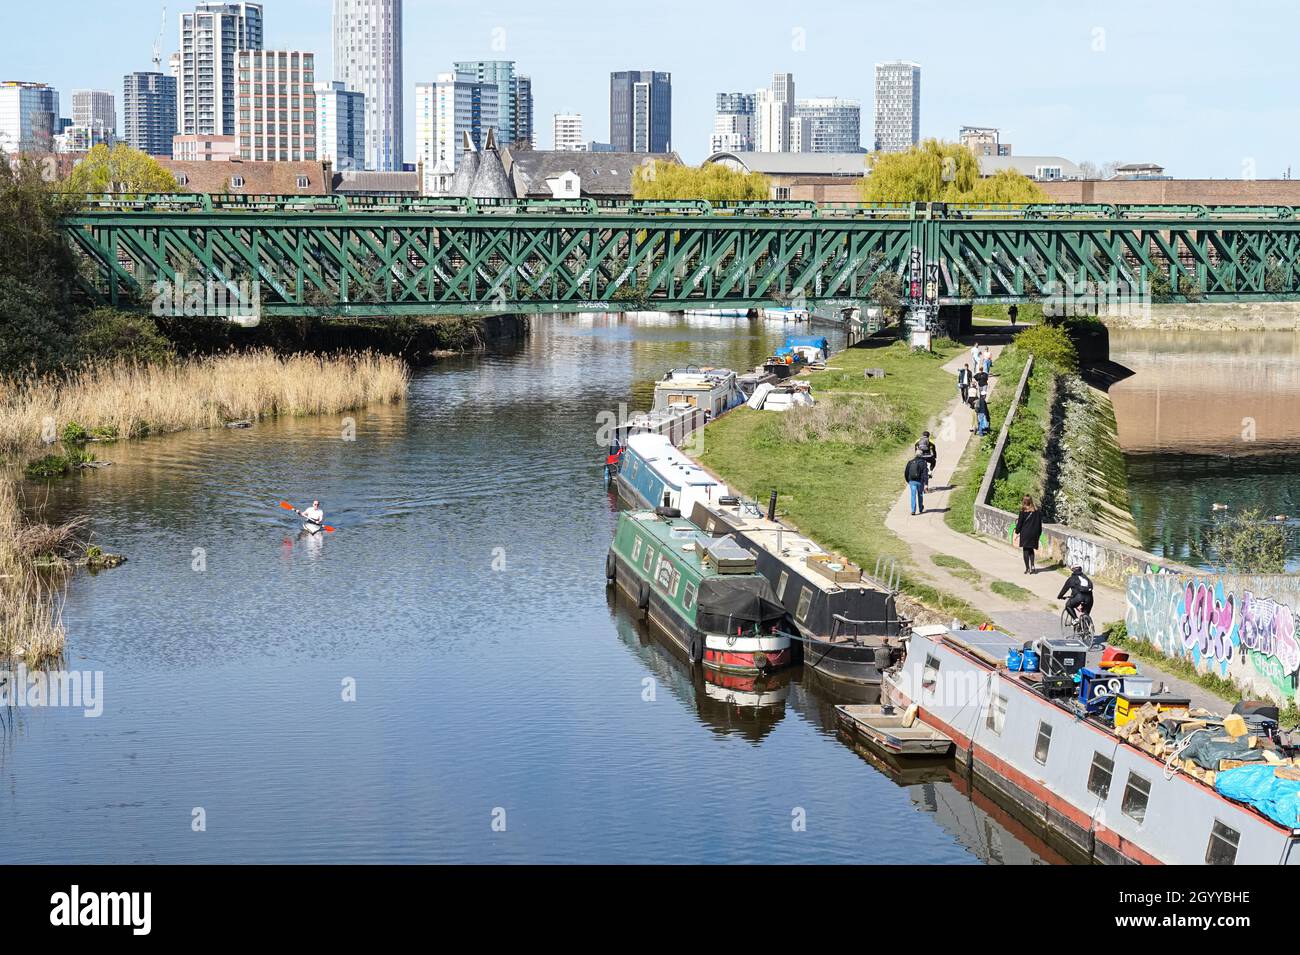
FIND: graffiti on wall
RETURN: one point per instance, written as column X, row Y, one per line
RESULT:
column 1083, row 553
column 1207, row 622
column 1222, row 626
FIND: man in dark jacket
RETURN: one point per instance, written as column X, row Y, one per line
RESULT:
column 1079, row 587
column 981, row 416
column 917, row 475
column 963, row 383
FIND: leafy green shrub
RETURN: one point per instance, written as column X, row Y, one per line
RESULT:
column 105, row 433
column 1246, row 544
column 1051, row 345
column 50, row 466
column 110, row 334
column 74, row 433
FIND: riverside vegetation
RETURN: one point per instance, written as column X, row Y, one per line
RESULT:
column 72, row 374
column 838, row 465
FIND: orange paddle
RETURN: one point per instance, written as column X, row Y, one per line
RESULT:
column 289, row 507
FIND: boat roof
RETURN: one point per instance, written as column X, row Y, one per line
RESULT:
column 787, row 545
column 668, row 462
column 678, row 377
column 683, row 538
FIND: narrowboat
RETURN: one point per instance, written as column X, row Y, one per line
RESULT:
column 1064, row 769
column 653, row 473
column 702, row 592
column 848, row 624
column 714, row 390
column 676, row 424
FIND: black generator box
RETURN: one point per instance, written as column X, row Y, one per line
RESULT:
column 1061, row 657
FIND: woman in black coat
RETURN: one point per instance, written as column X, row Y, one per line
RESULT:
column 1029, row 530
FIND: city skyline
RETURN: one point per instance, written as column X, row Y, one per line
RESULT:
column 1069, row 89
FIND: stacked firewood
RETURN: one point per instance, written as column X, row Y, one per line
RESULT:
column 1164, row 734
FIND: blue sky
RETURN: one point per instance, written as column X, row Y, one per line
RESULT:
column 1206, row 88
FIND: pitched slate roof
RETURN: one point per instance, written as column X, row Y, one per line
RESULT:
column 603, row 175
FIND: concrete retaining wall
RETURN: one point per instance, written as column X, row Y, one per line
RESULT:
column 1213, row 316
column 1238, row 627
column 1099, row 557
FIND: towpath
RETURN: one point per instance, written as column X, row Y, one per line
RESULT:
column 1027, row 606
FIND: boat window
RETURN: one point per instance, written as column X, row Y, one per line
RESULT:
column 1044, row 742
column 649, row 559
column 780, row 584
column 997, row 714
column 805, row 601
column 1136, row 793
column 688, row 599
column 1103, row 768
column 1222, row 849
column 636, row 549
column 930, row 675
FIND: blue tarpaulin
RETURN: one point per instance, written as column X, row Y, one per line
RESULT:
column 1259, row 786
column 815, row 341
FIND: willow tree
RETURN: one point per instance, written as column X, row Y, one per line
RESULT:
column 712, row 181
column 119, row 169
column 936, row 171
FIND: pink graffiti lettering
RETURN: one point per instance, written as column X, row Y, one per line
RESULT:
column 1267, row 627
column 1207, row 623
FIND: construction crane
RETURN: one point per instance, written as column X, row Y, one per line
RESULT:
column 157, row 44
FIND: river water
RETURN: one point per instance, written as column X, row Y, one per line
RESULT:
column 497, row 686
column 1208, row 417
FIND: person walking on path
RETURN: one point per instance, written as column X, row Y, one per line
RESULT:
column 982, row 416
column 926, row 449
column 1029, row 532
column 1012, row 312
column 917, row 475
column 963, row 383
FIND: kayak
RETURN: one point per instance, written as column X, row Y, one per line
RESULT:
column 311, row 528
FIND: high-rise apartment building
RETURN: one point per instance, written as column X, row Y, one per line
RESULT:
column 149, row 112
column 641, row 111
column 568, row 133
column 525, row 132
column 368, row 59
column 830, row 125
column 96, row 111
column 773, row 112
column 733, row 123
column 210, row 41
column 340, row 126
column 898, row 106
column 277, row 106
column 447, row 110
column 29, row 116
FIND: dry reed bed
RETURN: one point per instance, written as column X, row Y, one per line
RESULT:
column 31, row 627
column 131, row 400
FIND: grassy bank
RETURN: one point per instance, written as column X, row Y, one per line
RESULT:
column 1025, row 458
column 838, row 466
column 124, row 399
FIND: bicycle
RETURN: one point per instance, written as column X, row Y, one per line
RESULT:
column 1079, row 628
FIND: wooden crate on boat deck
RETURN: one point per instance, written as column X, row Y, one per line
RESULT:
column 835, row 568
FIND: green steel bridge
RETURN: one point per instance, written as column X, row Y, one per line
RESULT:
column 376, row 256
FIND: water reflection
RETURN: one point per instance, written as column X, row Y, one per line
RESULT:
column 1209, row 417
column 463, row 596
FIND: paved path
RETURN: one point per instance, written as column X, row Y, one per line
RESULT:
column 929, row 536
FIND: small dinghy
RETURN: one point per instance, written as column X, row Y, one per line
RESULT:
column 893, row 731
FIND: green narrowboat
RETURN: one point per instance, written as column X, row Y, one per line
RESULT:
column 703, row 592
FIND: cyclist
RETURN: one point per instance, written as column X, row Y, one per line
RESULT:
column 1079, row 588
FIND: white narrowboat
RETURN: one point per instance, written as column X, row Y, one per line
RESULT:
column 1070, row 775
column 653, row 473
column 713, row 389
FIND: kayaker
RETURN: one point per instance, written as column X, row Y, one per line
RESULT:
column 313, row 514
